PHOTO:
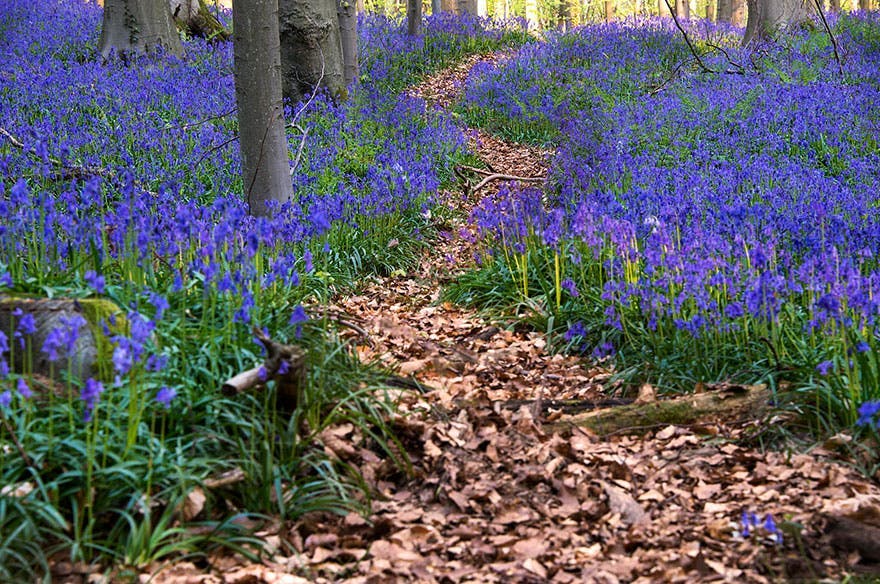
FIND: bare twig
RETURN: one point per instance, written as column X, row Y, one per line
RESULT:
column 200, row 122
column 498, row 176
column 687, row 39
column 66, row 171
column 837, row 56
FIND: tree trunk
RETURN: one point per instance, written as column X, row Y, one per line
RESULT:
column 768, row 17
column 738, row 12
column 662, row 8
column 194, row 17
column 448, row 5
column 835, row 6
column 265, row 162
column 682, row 9
column 864, row 5
column 138, row 26
column 532, row 14
column 311, row 48
column 348, row 35
column 609, row 10
column 724, row 11
column 465, row 6
column 436, row 6
column 414, row 17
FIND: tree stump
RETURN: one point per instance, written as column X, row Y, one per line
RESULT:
column 92, row 350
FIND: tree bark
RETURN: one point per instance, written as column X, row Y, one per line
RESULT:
column 348, row 35
column 682, row 9
column 138, row 26
column 466, row 6
column 194, row 17
column 738, row 12
column 769, row 17
column 835, row 6
column 265, row 161
column 864, row 5
column 414, row 17
column 609, row 10
column 436, row 6
column 311, row 49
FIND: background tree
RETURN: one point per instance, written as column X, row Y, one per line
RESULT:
column 311, row 48
column 682, row 9
column 414, row 17
column 767, row 17
column 732, row 11
column 347, row 15
column 138, row 26
column 265, row 162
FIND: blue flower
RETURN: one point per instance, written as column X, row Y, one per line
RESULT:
column 5, row 399
column 868, row 414
column 576, row 330
column 23, row 389
column 825, row 367
column 298, row 317
column 569, row 285
column 90, row 394
column 95, row 281
column 165, row 395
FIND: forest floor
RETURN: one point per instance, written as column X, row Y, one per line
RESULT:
column 502, row 490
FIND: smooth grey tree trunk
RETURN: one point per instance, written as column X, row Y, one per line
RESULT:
column 348, row 35
column 311, row 49
column 436, row 6
column 265, row 162
column 138, row 26
column 768, row 17
column 414, row 17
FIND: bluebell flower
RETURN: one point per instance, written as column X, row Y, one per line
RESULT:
column 825, row 367
column 165, row 395
column 869, row 414
column 95, row 281
column 90, row 393
column 5, row 399
column 23, row 389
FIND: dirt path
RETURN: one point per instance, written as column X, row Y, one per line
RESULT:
column 497, row 498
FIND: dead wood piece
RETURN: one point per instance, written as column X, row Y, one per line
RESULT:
column 727, row 403
column 230, row 477
column 855, row 536
column 285, row 364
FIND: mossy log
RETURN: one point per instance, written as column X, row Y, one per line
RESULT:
column 92, row 350
column 725, row 402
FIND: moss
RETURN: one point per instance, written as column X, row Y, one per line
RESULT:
column 98, row 311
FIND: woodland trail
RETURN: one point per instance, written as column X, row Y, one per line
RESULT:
column 498, row 496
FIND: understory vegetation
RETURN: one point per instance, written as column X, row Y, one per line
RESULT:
column 702, row 223
column 121, row 182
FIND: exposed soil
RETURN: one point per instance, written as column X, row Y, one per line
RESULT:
column 497, row 496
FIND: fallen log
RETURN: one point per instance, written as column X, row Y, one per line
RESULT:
column 725, row 402
column 91, row 350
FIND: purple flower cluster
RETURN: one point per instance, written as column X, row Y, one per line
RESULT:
column 713, row 200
